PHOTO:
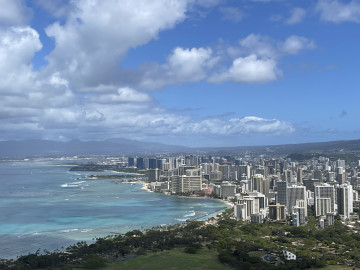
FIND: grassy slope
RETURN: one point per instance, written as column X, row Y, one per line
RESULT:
column 172, row 260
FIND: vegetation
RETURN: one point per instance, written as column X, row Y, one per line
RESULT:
column 226, row 241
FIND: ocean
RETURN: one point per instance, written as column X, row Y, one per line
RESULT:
column 44, row 206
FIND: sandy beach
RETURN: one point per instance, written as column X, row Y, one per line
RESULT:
column 145, row 186
column 229, row 204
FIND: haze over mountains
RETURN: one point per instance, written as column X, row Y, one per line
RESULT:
column 119, row 146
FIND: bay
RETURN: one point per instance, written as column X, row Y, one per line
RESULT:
column 43, row 205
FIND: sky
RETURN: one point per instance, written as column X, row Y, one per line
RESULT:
column 181, row 72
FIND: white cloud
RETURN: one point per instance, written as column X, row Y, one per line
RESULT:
column 102, row 32
column 81, row 92
column 122, row 95
column 249, row 69
column 297, row 15
column 183, row 65
column 17, row 47
column 14, row 12
column 239, row 126
column 232, row 14
column 189, row 64
column 294, row 44
column 259, row 45
column 256, row 58
column 336, row 11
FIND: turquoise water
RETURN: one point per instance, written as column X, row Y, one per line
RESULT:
column 45, row 206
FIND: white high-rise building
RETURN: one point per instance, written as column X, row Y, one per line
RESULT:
column 186, row 183
column 252, row 206
column 324, row 197
column 240, row 211
column 345, row 200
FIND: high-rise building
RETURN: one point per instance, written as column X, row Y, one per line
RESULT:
column 318, row 175
column 341, row 163
column 227, row 190
column 244, row 170
column 282, row 196
column 159, row 163
column 324, row 197
column 154, row 175
column 225, row 171
column 257, row 183
column 345, row 200
column 185, row 183
column 152, row 163
column 252, row 206
column 263, row 201
column 277, row 212
column 289, row 177
column 300, row 209
column 131, row 162
column 341, row 178
column 240, row 211
column 140, row 163
column 294, row 194
column 330, row 176
column 146, row 163
column 300, row 176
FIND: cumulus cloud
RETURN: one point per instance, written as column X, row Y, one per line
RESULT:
column 183, row 65
column 97, row 45
column 122, row 95
column 297, row 15
column 249, row 69
column 14, row 12
column 239, row 126
column 256, row 58
column 81, row 94
column 259, row 45
column 337, row 11
column 294, row 44
column 17, row 47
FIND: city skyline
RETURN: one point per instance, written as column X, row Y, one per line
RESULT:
column 193, row 73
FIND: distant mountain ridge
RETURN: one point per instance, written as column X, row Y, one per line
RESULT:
column 343, row 146
column 120, row 146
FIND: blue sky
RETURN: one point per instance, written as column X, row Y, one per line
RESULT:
column 185, row 72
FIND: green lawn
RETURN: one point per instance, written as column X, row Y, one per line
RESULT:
column 171, row 260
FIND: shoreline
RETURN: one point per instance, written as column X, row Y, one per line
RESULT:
column 145, row 187
column 67, row 233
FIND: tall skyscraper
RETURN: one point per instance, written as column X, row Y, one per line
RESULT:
column 131, row 162
column 152, row 163
column 140, row 163
column 345, row 200
column 282, row 196
column 260, row 184
column 294, row 194
column 300, row 176
column 324, row 197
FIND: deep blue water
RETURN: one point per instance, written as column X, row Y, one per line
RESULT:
column 45, row 206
